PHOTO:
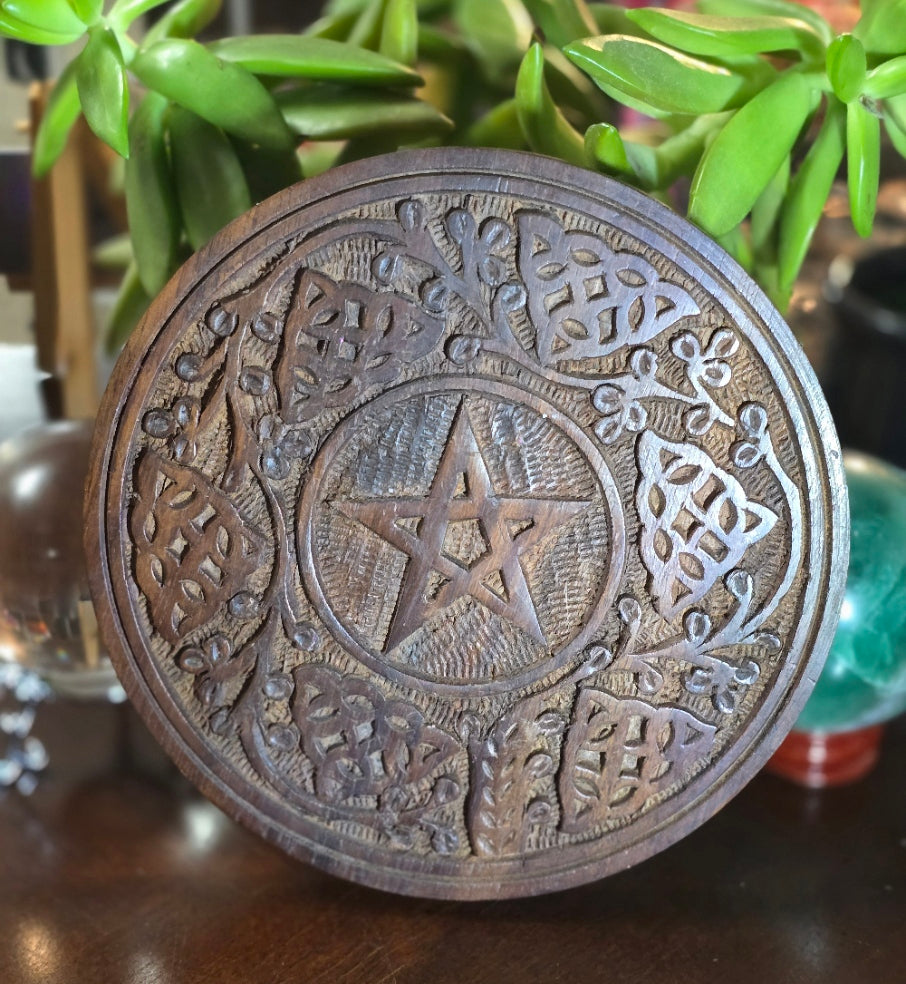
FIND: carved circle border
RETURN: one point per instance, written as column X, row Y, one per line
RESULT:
column 479, row 385
column 503, row 172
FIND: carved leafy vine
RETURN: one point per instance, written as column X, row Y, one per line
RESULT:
column 512, row 787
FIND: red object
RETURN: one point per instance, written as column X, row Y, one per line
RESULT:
column 817, row 760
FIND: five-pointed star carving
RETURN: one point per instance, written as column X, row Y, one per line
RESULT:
column 461, row 492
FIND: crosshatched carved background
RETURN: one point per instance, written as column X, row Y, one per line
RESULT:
column 463, row 522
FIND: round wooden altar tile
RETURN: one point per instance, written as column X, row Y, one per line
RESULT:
column 466, row 523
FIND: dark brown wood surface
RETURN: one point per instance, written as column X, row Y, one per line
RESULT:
column 466, row 523
column 116, row 870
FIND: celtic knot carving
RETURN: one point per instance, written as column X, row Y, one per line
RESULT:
column 193, row 549
column 341, row 338
column 697, row 521
column 585, row 300
column 620, row 752
column 363, row 745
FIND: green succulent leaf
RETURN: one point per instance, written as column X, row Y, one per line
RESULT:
column 736, row 243
column 863, row 160
column 19, row 30
column 727, row 37
column 633, row 162
column 562, row 21
column 766, row 211
column 498, row 31
column 572, row 90
column 887, row 80
column 333, row 27
column 128, row 309
column 268, row 171
column 604, row 145
column 847, row 66
column 366, row 31
column 896, row 134
column 439, row 44
column 124, row 12
column 317, row 157
column 326, row 113
column 193, row 77
column 895, row 108
column 50, row 17
column 399, row 32
column 679, row 155
column 299, row 56
column 427, row 9
column 747, row 153
column 769, row 8
column 882, row 28
column 808, row 194
column 611, row 18
column 339, row 8
column 151, row 202
column 183, row 20
column 88, row 11
column 113, row 253
column 210, row 182
column 653, row 78
column 545, row 128
column 104, row 90
column 60, row 113
column 499, row 127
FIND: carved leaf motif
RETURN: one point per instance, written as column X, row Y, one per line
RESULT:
column 364, row 745
column 619, row 752
column 508, row 780
column 342, row 338
column 697, row 521
column 221, row 673
column 585, row 300
column 193, row 550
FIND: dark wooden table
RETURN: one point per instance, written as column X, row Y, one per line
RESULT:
column 115, row 870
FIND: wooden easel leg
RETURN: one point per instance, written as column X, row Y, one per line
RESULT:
column 64, row 326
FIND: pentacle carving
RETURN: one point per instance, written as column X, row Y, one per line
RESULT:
column 483, row 537
column 466, row 524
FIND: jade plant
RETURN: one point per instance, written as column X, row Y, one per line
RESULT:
column 755, row 103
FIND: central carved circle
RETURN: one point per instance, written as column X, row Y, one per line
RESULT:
column 466, row 537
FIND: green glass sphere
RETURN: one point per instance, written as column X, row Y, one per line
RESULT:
column 864, row 679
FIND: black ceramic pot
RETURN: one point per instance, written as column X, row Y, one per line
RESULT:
column 865, row 382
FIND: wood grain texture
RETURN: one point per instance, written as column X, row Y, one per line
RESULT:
column 466, row 524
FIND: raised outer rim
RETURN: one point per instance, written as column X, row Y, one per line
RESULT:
column 824, row 478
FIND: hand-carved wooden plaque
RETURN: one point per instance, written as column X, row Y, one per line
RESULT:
column 466, row 523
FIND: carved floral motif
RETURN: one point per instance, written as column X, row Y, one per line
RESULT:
column 365, row 747
column 360, row 743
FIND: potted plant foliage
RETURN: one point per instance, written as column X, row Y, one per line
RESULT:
column 757, row 101
column 752, row 107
